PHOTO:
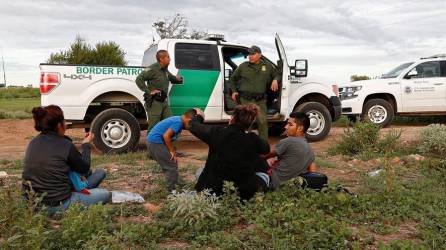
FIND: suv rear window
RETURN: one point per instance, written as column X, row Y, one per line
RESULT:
column 196, row 56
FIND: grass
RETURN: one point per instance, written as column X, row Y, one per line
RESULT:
column 17, row 108
column 321, row 161
column 14, row 93
column 406, row 196
column 17, row 103
column 14, row 105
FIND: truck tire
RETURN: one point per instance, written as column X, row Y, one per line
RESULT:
column 115, row 131
column 320, row 120
column 378, row 111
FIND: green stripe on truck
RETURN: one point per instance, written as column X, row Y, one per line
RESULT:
column 195, row 90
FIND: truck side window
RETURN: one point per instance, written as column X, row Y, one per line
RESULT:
column 425, row 70
column 196, row 56
column 443, row 68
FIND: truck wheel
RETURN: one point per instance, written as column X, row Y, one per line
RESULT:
column 320, row 120
column 378, row 111
column 115, row 131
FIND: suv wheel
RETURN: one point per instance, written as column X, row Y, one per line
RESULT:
column 378, row 111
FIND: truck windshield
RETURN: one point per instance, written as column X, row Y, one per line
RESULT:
column 238, row 58
column 396, row 71
column 149, row 56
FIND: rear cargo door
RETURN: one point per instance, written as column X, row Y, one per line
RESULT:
column 199, row 65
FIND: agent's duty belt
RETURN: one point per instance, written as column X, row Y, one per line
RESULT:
column 159, row 97
column 252, row 96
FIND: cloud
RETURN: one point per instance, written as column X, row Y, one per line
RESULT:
column 338, row 38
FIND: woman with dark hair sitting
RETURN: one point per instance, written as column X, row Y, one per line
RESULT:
column 51, row 157
column 234, row 153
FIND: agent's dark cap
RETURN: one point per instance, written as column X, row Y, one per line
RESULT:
column 254, row 49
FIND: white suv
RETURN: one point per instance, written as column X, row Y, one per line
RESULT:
column 413, row 88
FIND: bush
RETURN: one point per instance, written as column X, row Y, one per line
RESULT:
column 433, row 140
column 20, row 225
column 143, row 234
column 192, row 208
column 80, row 225
column 189, row 214
column 364, row 138
column 291, row 217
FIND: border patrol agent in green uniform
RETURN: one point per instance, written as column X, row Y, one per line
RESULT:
column 156, row 91
column 249, row 84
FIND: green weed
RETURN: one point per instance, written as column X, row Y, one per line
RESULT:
column 364, row 140
column 433, row 140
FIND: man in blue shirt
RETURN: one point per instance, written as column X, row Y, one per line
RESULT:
column 160, row 144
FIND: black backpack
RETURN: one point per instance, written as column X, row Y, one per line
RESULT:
column 314, row 180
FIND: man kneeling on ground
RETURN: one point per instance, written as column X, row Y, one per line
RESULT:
column 160, row 144
column 294, row 154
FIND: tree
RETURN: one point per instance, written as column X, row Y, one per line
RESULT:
column 355, row 78
column 109, row 53
column 197, row 34
column 103, row 53
column 176, row 27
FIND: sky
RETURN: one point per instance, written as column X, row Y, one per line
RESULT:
column 339, row 38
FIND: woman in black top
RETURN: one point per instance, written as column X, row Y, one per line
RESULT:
column 234, row 153
column 49, row 158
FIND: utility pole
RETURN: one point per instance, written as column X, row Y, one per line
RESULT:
column 4, row 73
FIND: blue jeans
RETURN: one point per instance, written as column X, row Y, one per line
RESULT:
column 95, row 178
column 97, row 195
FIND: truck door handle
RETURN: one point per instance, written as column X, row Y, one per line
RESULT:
column 438, row 83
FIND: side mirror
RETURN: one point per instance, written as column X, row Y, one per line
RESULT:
column 411, row 74
column 300, row 68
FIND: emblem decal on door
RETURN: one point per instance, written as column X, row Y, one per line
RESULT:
column 408, row 90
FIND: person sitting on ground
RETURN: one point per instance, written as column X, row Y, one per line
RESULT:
column 295, row 155
column 49, row 158
column 234, row 153
column 161, row 148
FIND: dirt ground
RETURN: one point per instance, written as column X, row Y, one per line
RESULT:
column 16, row 134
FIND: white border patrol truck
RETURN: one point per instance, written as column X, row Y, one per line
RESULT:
column 412, row 88
column 106, row 100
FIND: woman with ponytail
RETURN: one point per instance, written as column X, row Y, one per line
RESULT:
column 234, row 153
column 49, row 159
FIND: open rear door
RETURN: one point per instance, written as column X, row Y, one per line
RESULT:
column 284, row 105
